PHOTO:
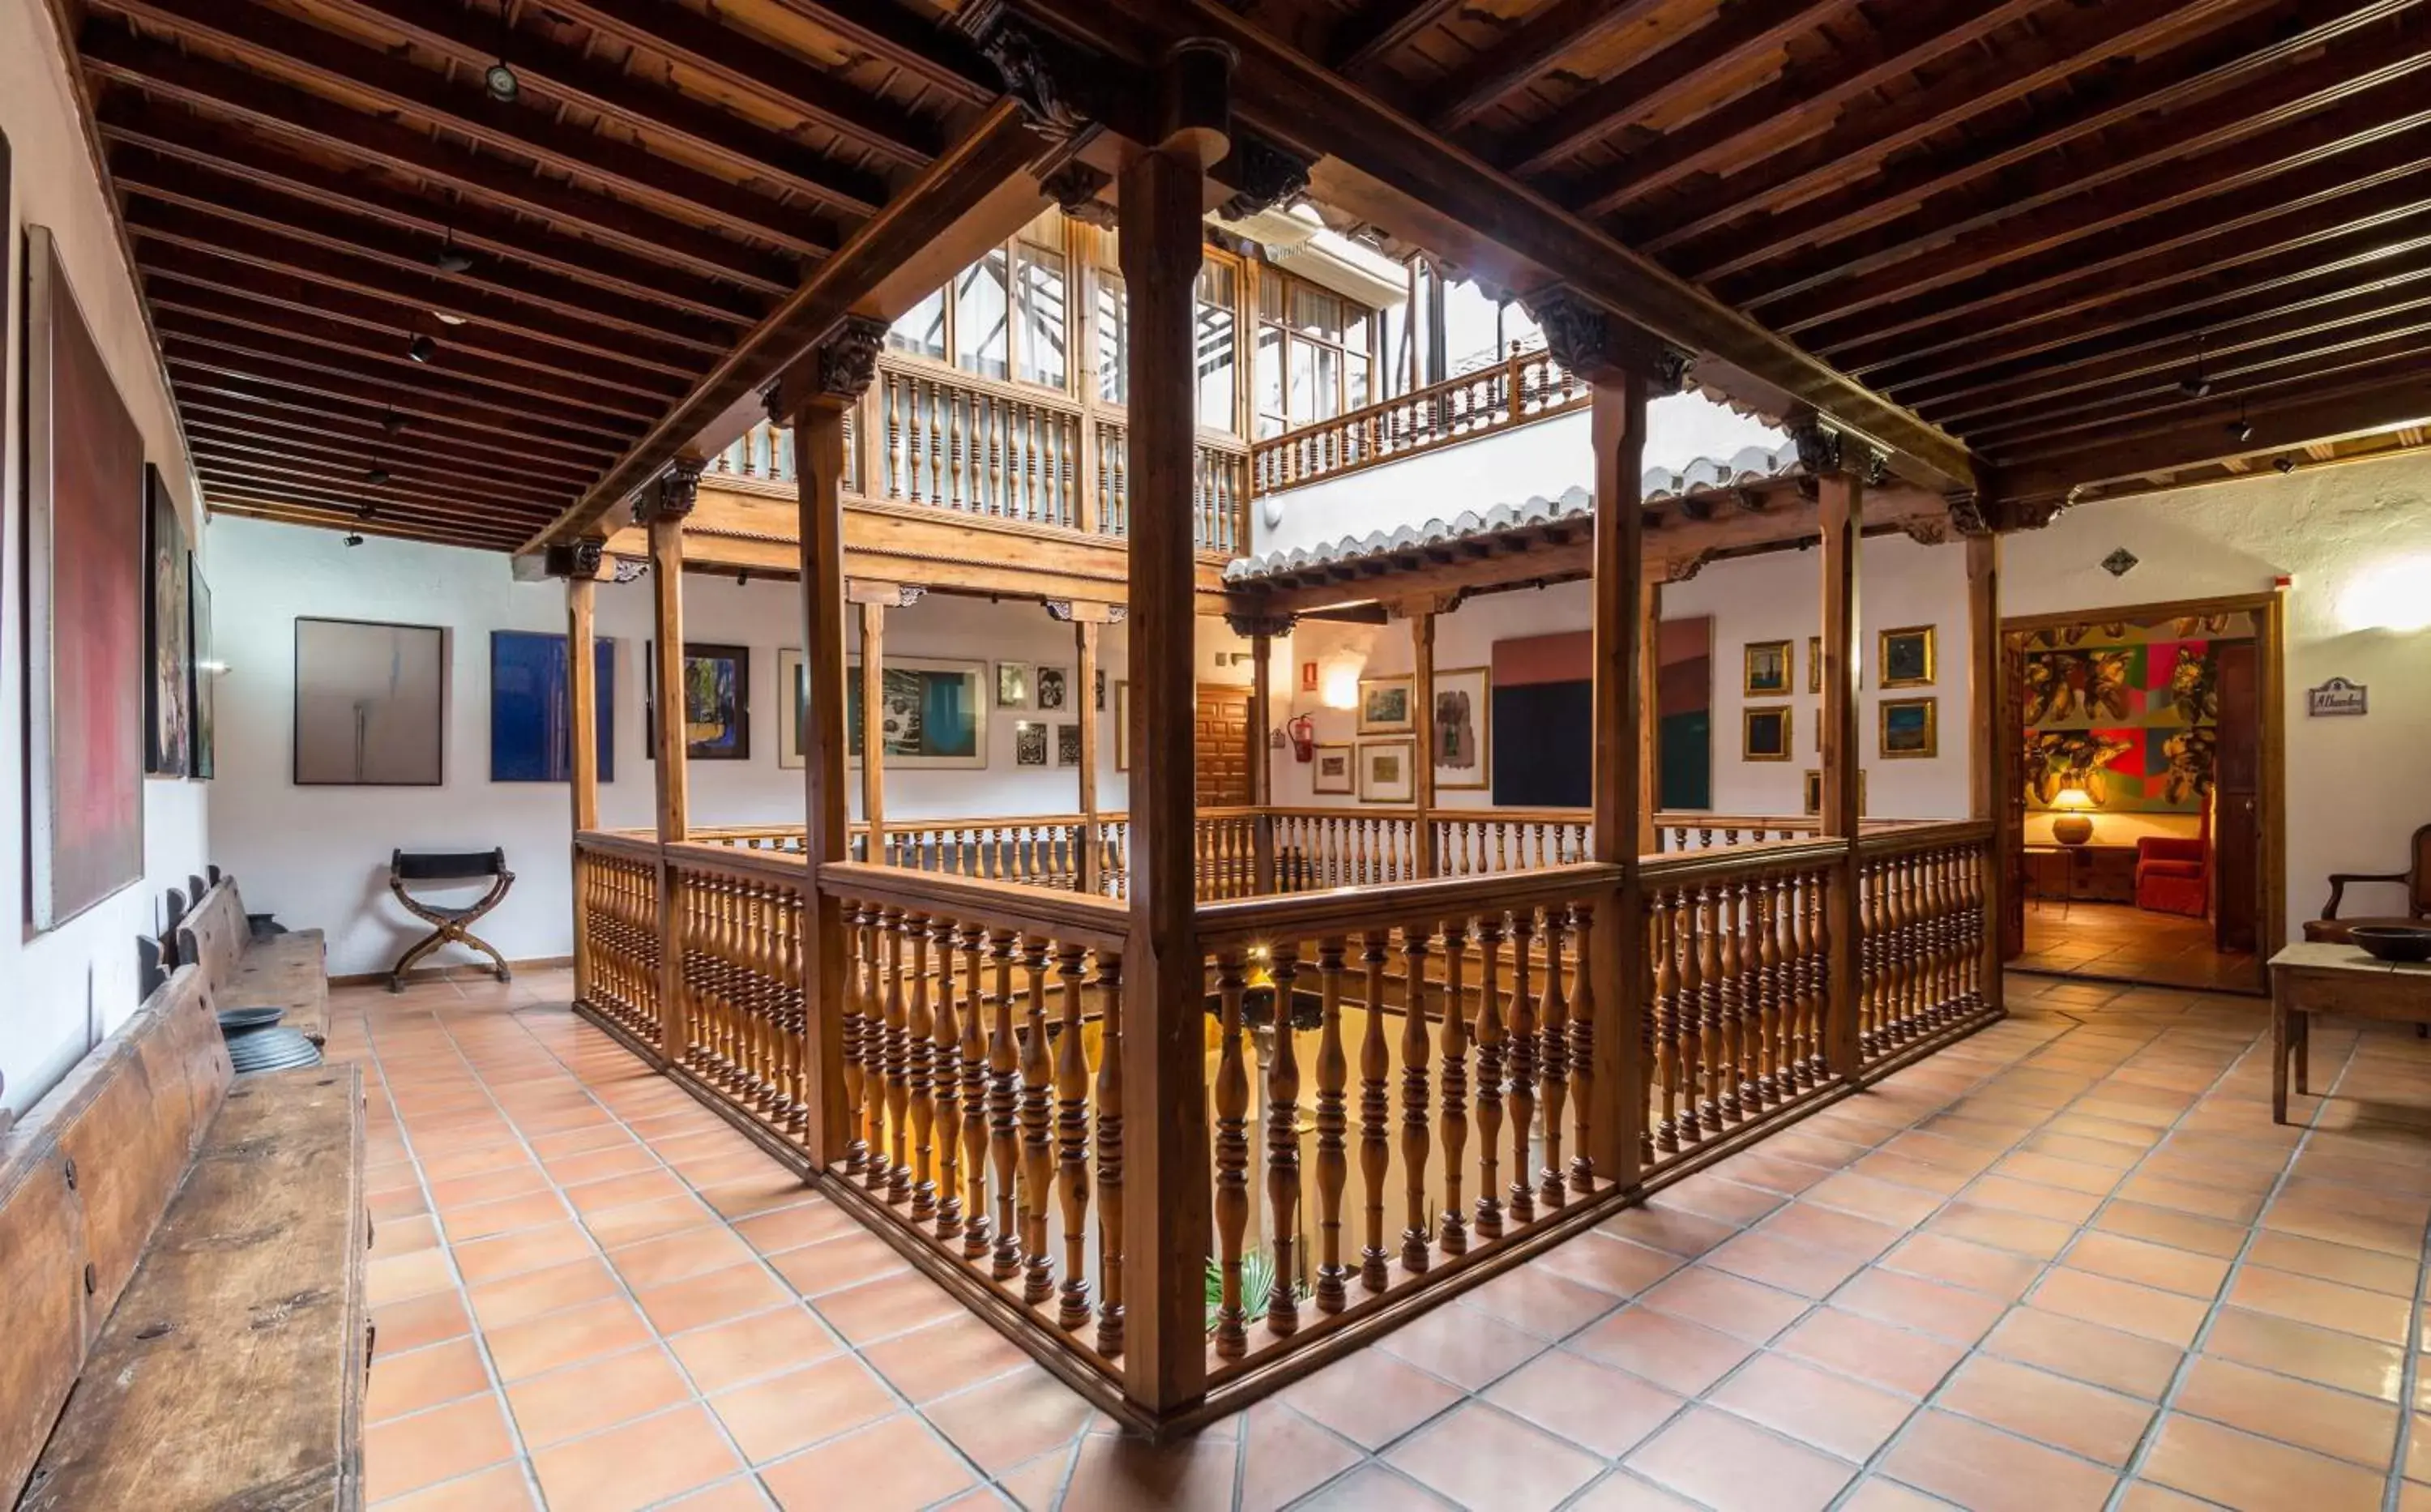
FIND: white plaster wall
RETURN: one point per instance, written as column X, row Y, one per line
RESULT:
column 318, row 856
column 1503, row 468
column 63, row 991
column 2356, row 540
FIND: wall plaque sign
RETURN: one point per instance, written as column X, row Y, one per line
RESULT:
column 2336, row 696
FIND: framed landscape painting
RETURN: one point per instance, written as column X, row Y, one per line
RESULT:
column 794, row 706
column 1388, row 770
column 716, row 702
column 1332, row 771
column 1910, row 728
column 934, row 712
column 1767, row 672
column 1384, row 706
column 1765, row 733
column 168, row 634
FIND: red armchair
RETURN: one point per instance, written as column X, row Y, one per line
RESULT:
column 2173, row 876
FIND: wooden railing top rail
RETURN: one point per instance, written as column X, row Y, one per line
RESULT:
column 1078, row 919
column 1897, row 838
column 638, row 843
column 1677, row 868
column 1340, row 910
column 787, row 866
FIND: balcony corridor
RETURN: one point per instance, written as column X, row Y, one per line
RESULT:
column 2067, row 1263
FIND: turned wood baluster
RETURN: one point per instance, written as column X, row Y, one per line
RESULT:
column 1455, row 1085
column 921, row 1024
column 1781, row 988
column 1072, row 1131
column 975, row 1068
column 1874, row 956
column 945, row 1081
column 1554, row 1062
column 898, row 1175
column 1490, row 1077
column 1519, row 1058
column 1729, row 1005
column 1231, row 1159
column 1416, row 1233
column 1283, row 1146
column 1583, row 1033
column 1004, row 1111
column 1755, row 1037
column 1970, row 932
column 797, row 1101
column 1332, row 1072
column 1695, row 945
column 1375, row 1117
column 1037, row 1143
column 856, row 1050
column 1829, row 1010
column 1110, row 1154
column 1908, row 956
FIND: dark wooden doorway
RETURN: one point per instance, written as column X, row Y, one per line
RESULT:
column 1223, row 741
column 2237, row 799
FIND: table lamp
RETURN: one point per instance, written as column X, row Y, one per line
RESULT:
column 2072, row 826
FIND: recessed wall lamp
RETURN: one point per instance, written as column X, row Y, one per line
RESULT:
column 2240, row 430
column 422, row 348
column 501, row 82
column 451, row 257
column 2198, row 385
column 2285, row 464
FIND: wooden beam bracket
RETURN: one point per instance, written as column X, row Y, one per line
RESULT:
column 1599, row 345
column 672, row 493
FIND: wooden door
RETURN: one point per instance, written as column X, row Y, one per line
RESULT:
column 1223, row 740
column 2237, row 799
column 2010, row 741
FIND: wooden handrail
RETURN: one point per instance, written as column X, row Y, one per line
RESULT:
column 1250, row 920
column 1066, row 914
column 1526, row 386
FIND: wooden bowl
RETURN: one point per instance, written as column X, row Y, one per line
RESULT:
column 2394, row 942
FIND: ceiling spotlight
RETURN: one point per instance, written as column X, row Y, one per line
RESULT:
column 451, row 257
column 353, row 539
column 500, row 81
column 376, row 476
column 446, row 319
column 2240, row 430
column 391, row 422
column 2194, row 388
column 2285, row 464
column 422, row 348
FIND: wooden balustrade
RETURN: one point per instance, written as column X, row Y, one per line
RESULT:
column 1219, row 491
column 1676, row 834
column 1921, row 905
column 736, row 924
column 955, row 442
column 616, row 955
column 1476, row 843
column 1318, row 848
column 1524, row 387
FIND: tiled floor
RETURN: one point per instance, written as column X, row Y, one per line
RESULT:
column 2068, row 1264
column 2117, row 942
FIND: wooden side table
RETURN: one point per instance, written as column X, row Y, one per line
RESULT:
column 2314, row 978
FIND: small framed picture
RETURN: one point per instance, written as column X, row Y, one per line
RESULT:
column 1123, row 726
column 1463, row 742
column 1012, row 685
column 1332, row 774
column 1101, row 690
column 1388, row 770
column 1815, row 791
column 1906, row 656
column 1051, row 687
column 1764, row 733
column 1029, row 743
column 1068, row 745
column 1814, row 664
column 1384, row 706
column 1910, row 728
column 1768, row 670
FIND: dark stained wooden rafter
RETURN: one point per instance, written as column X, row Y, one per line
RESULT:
column 1543, row 40
column 235, row 407
column 410, row 464
column 341, row 491
column 265, row 505
column 1380, row 27
column 903, row 39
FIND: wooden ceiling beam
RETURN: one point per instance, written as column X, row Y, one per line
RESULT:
column 473, row 40
column 1735, row 35
column 1394, row 172
column 393, row 497
column 898, row 35
column 919, row 221
column 296, row 114
column 1803, row 99
column 1380, row 28
column 273, row 512
column 1848, row 168
column 1543, row 40
column 237, row 445
column 269, row 417
column 149, row 133
column 299, row 253
column 219, row 285
column 751, row 66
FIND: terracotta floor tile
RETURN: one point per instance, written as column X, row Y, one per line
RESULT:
column 1370, row 1398
column 742, row 1494
column 2322, row 1303
column 1989, row 1472
column 1963, row 1263
column 697, row 1302
column 2083, row 1177
column 1897, row 1359
column 2052, row 1409
column 2317, row 1355
column 2149, row 1265
column 2186, row 1197
column 1659, row 1225
column 2086, row 1352
column 513, row 1254
column 1726, row 1201
column 762, row 1191
column 1540, row 1302
column 1812, row 1223
column 623, row 1191
column 2057, row 1203
column 774, row 1416
column 1039, row 1484
column 518, row 1299
column 405, row 1235
column 1679, row 1356
column 408, row 1453
column 1377, row 1488
column 1835, row 1414
column 513, row 1180
column 2179, row 1231
column 677, row 1256
column 484, row 1219
column 586, row 1332
column 1941, row 1180
column 1730, row 1303
column 1733, row 1466
column 598, row 1394
column 797, row 1224
column 1592, row 1406
column 2240, row 1470
column 500, row 1488
column 1786, row 1263
column 425, row 1378
column 832, row 1265
column 1623, row 1491
column 1466, row 1348
column 646, row 1461
column 2296, row 1412
column 1623, row 1267
column 632, row 1223
column 951, row 1354
column 2340, row 1263
column 2001, row 1229
column 2167, row 1316
column 891, row 1304
column 1869, row 1198
column 599, row 1165
column 1288, row 1456
column 727, row 1354
column 1483, row 1457
column 1953, row 1313
column 419, row 1320
column 1010, row 1418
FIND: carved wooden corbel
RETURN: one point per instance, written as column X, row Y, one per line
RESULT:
column 671, row 495
column 1250, row 624
column 1267, row 176
column 1044, row 74
column 573, row 559
column 1075, row 188
column 1597, row 344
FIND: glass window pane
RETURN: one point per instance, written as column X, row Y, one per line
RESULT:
column 1216, row 361
column 1472, row 329
column 1316, row 312
column 922, row 329
column 1301, row 398
column 1114, row 340
column 980, row 313
column 1355, row 386
column 1271, row 295
column 1270, row 380
column 1216, row 284
column 1354, row 335
column 1326, row 390
column 1516, row 326
column 1040, row 293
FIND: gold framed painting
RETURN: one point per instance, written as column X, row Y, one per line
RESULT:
column 1815, row 791
column 1764, row 733
column 1388, row 770
column 1463, row 749
column 1384, row 706
column 1910, row 728
column 1767, row 671
column 1906, row 656
column 1332, row 772
column 1123, row 726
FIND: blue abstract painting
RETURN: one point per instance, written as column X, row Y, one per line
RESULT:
column 532, row 726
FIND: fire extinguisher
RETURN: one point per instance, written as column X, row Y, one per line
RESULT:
column 1303, row 739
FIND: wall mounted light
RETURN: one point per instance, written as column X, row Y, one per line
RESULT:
column 1341, row 686
column 2389, row 595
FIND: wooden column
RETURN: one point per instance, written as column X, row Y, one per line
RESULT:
column 1650, row 713
column 580, row 568
column 873, row 715
column 1840, row 513
column 841, row 373
column 1164, row 1078
column 1088, row 629
column 1988, row 777
column 662, row 506
column 1422, row 727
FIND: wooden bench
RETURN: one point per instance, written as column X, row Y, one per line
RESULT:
column 243, row 969
column 182, row 1255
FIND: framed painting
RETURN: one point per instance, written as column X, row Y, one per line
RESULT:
column 1051, row 689
column 1068, row 745
column 199, row 701
column 933, row 717
column 1388, row 770
column 1384, row 706
column 168, row 634
column 1766, row 669
column 1030, row 743
column 1012, row 685
column 532, row 708
column 794, row 706
column 1814, row 664
column 716, row 702
column 1906, row 656
column 370, row 704
column 1910, row 728
column 1332, row 772
column 1764, row 733
column 1123, row 726
column 85, row 672
column 1815, row 791
column 1464, row 753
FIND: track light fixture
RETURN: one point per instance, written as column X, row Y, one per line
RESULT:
column 501, row 82
column 2240, row 430
column 451, row 257
column 353, row 539
column 2199, row 384
column 2285, row 464
column 376, row 476
column 422, row 348
column 391, row 422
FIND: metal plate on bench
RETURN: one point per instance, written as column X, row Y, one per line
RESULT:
column 272, row 1050
column 237, row 1021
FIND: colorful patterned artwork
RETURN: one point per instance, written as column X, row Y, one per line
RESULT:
column 2126, row 712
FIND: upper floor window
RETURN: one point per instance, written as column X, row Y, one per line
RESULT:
column 1214, row 336
column 1007, row 316
column 1314, row 356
